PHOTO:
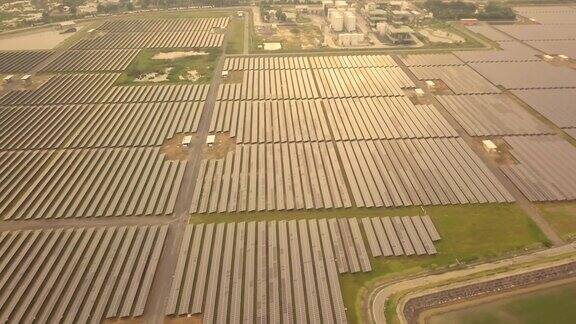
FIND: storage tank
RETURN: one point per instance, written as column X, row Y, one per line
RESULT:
column 337, row 21
column 341, row 4
column 350, row 21
column 331, row 11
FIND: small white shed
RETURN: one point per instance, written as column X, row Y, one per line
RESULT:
column 186, row 141
column 489, row 146
column 419, row 92
column 210, row 139
column 27, row 79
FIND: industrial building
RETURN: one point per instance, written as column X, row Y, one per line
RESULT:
column 350, row 39
column 397, row 35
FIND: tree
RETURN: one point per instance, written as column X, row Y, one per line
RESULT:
column 451, row 10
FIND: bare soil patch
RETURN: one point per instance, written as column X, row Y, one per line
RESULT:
column 234, row 77
column 176, row 55
column 502, row 156
column 16, row 84
column 173, row 147
column 125, row 320
column 187, row 319
column 222, row 145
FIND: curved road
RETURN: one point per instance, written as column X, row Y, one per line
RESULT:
column 378, row 298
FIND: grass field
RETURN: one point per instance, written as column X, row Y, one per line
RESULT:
column 469, row 233
column 562, row 218
column 550, row 305
column 144, row 63
column 469, row 43
column 235, row 36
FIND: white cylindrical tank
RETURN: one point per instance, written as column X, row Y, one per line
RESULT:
column 331, row 11
column 350, row 21
column 337, row 22
column 340, row 4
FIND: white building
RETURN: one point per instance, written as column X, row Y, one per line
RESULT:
column 350, row 39
column 337, row 21
column 350, row 21
column 89, row 9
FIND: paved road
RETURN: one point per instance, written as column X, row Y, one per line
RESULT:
column 159, row 292
column 378, row 298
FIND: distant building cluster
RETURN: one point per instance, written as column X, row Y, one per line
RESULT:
column 393, row 19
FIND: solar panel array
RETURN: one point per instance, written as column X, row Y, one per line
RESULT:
column 272, row 271
column 546, row 169
column 77, row 275
column 527, row 32
column 156, row 33
column 555, row 47
column 430, row 60
column 281, row 176
column 96, row 125
column 417, row 172
column 21, row 61
column 63, row 89
column 314, row 120
column 97, row 183
column 510, row 51
column 540, row 164
column 314, row 77
column 460, row 79
column 91, row 60
column 304, row 132
column 489, row 115
column 306, row 62
column 549, row 15
column 527, row 75
column 396, row 236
